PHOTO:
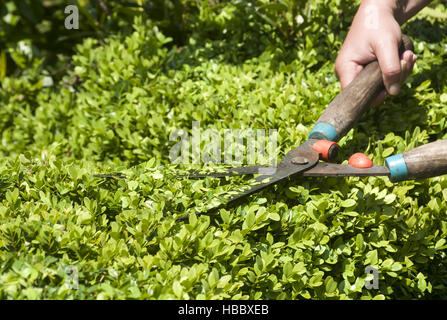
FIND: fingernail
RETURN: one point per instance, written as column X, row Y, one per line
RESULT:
column 408, row 55
column 414, row 57
column 394, row 89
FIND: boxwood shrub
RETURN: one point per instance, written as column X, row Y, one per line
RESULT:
column 65, row 234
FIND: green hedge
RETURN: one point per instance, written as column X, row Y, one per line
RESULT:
column 238, row 65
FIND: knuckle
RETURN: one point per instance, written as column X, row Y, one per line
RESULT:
column 337, row 64
column 391, row 71
column 338, row 69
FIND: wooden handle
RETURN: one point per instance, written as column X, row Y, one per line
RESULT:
column 348, row 106
column 426, row 161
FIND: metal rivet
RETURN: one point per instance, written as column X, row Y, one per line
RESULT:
column 300, row 160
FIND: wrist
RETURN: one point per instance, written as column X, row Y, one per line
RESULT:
column 396, row 8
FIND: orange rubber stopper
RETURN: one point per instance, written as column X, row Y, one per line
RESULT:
column 360, row 160
column 323, row 147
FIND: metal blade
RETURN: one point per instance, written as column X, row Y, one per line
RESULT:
column 304, row 151
column 285, row 170
column 324, row 169
column 230, row 172
column 264, row 182
column 112, row 175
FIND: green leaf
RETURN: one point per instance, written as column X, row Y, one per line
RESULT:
column 331, row 285
column 390, row 198
column 372, row 258
column 192, row 219
column 287, row 269
column 249, row 220
column 178, row 290
column 387, row 152
column 422, row 284
column 274, row 216
column 359, row 241
column 348, row 203
column 440, row 244
column 315, row 280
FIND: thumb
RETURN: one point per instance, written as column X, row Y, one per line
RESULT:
column 387, row 53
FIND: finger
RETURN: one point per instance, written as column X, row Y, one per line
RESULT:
column 346, row 71
column 407, row 64
column 407, row 56
column 408, row 59
column 387, row 54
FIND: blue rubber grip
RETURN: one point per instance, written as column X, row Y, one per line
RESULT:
column 398, row 168
column 323, row 131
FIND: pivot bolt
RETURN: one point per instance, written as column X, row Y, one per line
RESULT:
column 300, row 160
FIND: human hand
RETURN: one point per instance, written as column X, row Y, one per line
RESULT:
column 375, row 34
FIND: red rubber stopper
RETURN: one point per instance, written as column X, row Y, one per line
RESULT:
column 323, row 147
column 360, row 160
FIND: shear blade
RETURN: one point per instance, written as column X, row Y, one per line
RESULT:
column 285, row 170
column 231, row 172
column 324, row 169
column 264, row 181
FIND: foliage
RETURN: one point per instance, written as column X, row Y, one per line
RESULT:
column 236, row 64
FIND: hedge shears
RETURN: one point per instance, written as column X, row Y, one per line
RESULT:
column 338, row 118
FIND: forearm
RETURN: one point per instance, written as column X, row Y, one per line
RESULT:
column 402, row 10
column 408, row 8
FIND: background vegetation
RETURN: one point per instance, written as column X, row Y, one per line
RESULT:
column 105, row 98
